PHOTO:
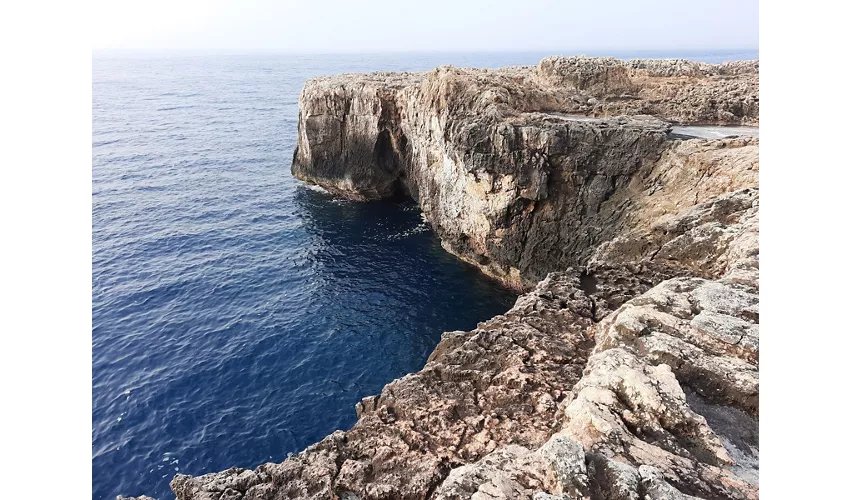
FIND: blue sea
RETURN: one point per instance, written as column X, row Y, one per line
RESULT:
column 238, row 315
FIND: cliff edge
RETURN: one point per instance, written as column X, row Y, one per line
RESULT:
column 629, row 367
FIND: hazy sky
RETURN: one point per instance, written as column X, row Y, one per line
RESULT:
column 428, row 25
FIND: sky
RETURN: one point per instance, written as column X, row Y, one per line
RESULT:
column 318, row 26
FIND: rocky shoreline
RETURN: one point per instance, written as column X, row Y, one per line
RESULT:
column 629, row 367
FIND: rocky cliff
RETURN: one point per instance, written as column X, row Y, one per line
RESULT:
column 629, row 368
column 525, row 171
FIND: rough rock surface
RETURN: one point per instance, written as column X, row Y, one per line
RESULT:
column 629, row 370
column 507, row 174
column 499, row 384
column 674, row 89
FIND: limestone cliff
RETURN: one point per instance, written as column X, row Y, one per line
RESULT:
column 509, row 176
column 629, row 369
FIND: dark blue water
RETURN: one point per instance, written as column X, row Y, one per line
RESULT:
column 237, row 315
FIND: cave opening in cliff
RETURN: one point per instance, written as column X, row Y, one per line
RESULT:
column 389, row 160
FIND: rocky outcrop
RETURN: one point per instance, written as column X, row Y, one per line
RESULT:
column 543, row 400
column 498, row 384
column 506, row 173
column 629, row 368
column 673, row 89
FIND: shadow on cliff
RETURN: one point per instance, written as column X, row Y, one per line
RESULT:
column 369, row 167
column 384, row 243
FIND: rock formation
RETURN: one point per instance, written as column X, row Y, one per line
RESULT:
column 629, row 368
column 508, row 176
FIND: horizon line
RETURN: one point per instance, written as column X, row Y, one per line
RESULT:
column 422, row 51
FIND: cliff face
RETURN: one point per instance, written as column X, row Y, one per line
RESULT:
column 510, row 178
column 629, row 370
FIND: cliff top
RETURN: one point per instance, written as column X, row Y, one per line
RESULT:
column 593, row 64
column 677, row 90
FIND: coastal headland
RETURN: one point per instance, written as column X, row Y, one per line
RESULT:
column 628, row 368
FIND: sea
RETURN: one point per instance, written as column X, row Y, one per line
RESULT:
column 238, row 315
